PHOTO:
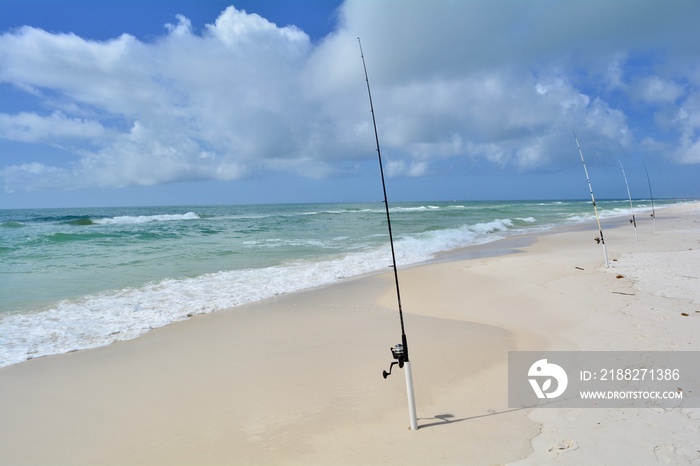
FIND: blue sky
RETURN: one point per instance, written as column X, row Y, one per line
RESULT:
column 214, row 102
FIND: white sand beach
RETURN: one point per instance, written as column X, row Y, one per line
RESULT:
column 298, row 379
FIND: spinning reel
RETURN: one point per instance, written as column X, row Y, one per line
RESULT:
column 399, row 354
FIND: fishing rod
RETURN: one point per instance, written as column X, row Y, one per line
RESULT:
column 600, row 239
column 399, row 351
column 629, row 196
column 653, row 214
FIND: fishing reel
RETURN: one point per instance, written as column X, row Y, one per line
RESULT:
column 399, row 354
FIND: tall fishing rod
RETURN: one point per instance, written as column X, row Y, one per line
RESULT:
column 600, row 239
column 653, row 213
column 629, row 196
column 399, row 351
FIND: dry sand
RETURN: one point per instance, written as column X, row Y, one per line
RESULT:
column 297, row 379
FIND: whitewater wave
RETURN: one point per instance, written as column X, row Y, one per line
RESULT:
column 132, row 220
column 102, row 318
column 106, row 317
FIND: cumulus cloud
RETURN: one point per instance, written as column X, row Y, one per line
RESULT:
column 210, row 106
column 505, row 82
column 508, row 81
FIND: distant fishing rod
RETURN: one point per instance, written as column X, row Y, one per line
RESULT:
column 629, row 196
column 600, row 239
column 399, row 351
column 653, row 214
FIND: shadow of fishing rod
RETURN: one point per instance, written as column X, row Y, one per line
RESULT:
column 443, row 419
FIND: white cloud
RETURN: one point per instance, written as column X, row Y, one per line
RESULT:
column 194, row 107
column 402, row 168
column 236, row 28
column 688, row 121
column 30, row 127
column 34, row 175
column 658, row 90
column 502, row 81
column 689, row 152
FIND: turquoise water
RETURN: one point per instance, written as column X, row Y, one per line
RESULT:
column 80, row 278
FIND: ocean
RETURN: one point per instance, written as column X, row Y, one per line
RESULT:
column 72, row 279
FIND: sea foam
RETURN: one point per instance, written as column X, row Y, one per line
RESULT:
column 262, row 251
column 109, row 316
column 128, row 219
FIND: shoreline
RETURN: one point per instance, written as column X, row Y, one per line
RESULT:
column 296, row 379
column 118, row 317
